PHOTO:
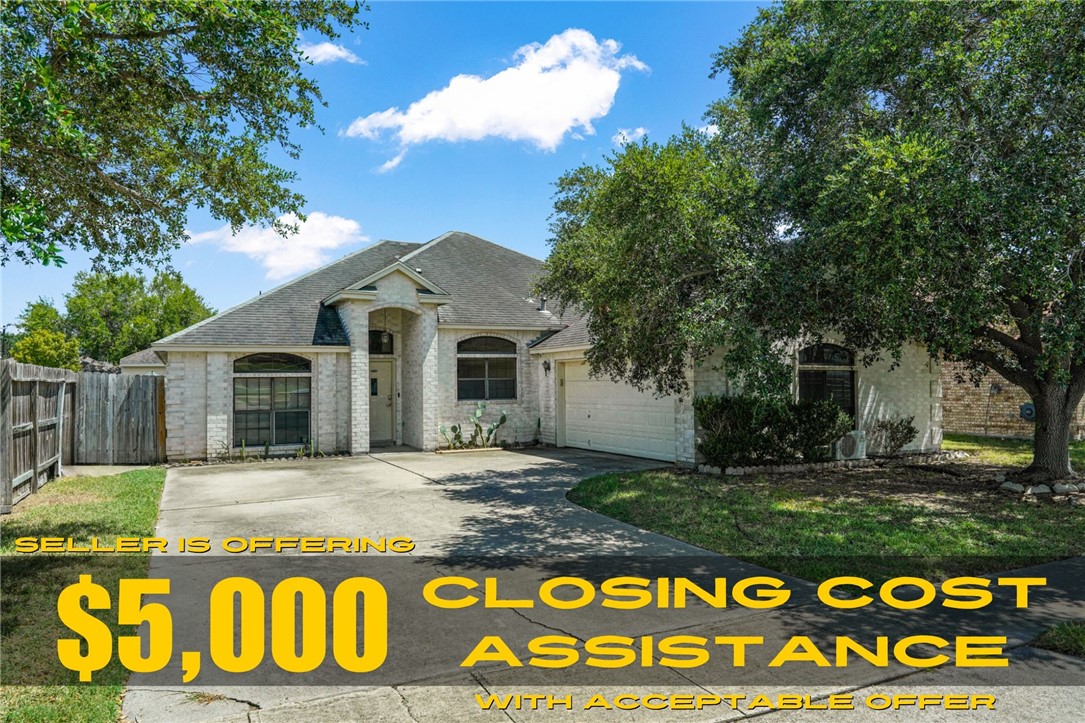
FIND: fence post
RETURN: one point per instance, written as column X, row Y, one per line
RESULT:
column 160, row 417
column 34, row 453
column 6, row 438
column 61, row 390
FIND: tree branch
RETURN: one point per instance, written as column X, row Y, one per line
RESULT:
column 1026, row 354
column 145, row 34
column 1017, row 376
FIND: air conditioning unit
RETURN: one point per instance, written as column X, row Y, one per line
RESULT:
column 851, row 446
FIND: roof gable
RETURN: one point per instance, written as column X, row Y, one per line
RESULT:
column 477, row 283
column 399, row 267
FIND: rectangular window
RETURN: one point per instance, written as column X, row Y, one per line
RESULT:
column 271, row 410
column 835, row 384
column 486, row 378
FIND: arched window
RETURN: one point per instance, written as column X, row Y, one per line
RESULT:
column 268, row 363
column 271, row 400
column 827, row 355
column 486, row 368
column 827, row 371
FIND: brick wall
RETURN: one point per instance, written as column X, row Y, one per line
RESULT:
column 913, row 388
column 523, row 412
column 219, row 404
column 992, row 408
column 186, row 405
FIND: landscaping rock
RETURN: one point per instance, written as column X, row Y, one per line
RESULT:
column 714, row 470
column 1000, row 477
column 1061, row 489
column 1038, row 490
column 1012, row 487
column 731, row 471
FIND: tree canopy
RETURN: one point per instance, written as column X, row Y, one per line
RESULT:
column 921, row 167
column 113, row 315
column 47, row 348
column 118, row 117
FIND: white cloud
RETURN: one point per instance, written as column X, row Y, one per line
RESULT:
column 391, row 163
column 327, row 52
column 625, row 135
column 283, row 257
column 550, row 89
column 710, row 129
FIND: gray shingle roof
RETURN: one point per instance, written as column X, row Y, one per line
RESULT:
column 489, row 285
column 576, row 334
column 143, row 357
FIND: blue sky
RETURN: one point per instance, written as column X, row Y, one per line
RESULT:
column 407, row 153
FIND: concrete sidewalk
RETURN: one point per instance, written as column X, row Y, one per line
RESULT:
column 514, row 504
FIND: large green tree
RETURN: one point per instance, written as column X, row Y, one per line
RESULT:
column 923, row 169
column 113, row 315
column 119, row 116
column 48, row 349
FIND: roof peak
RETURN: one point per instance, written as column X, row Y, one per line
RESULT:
column 280, row 287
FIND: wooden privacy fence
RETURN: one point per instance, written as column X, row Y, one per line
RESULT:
column 120, row 419
column 53, row 417
column 32, row 434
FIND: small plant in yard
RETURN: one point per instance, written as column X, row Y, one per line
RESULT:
column 267, row 449
column 740, row 430
column 893, row 434
column 815, row 426
column 244, row 455
column 481, row 437
column 1067, row 638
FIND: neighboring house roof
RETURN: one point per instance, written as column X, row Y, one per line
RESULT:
column 573, row 336
column 487, row 285
column 90, row 364
column 143, row 358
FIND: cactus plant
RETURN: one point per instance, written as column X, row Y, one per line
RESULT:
column 481, row 437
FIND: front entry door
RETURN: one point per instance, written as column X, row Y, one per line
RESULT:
column 382, row 401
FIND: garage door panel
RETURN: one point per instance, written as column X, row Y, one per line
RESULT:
column 606, row 416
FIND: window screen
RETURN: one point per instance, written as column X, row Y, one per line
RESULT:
column 271, row 410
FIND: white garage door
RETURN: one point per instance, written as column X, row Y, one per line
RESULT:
column 608, row 417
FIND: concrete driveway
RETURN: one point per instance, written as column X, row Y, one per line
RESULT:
column 505, row 503
column 513, row 504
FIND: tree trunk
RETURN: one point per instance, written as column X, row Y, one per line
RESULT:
column 1055, row 407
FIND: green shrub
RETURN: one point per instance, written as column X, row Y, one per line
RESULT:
column 815, row 426
column 744, row 430
column 741, row 430
column 893, row 434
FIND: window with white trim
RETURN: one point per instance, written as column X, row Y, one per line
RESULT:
column 486, row 368
column 272, row 399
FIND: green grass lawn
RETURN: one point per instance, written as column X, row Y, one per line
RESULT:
column 79, row 508
column 1066, row 638
column 878, row 522
column 1005, row 452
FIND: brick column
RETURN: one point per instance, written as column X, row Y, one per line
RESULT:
column 175, row 407
column 685, row 432
column 427, row 340
column 357, row 318
column 326, row 402
column 218, row 404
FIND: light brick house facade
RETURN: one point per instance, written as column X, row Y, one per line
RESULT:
column 912, row 389
column 387, row 344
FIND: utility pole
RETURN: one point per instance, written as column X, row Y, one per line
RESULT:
column 4, row 340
